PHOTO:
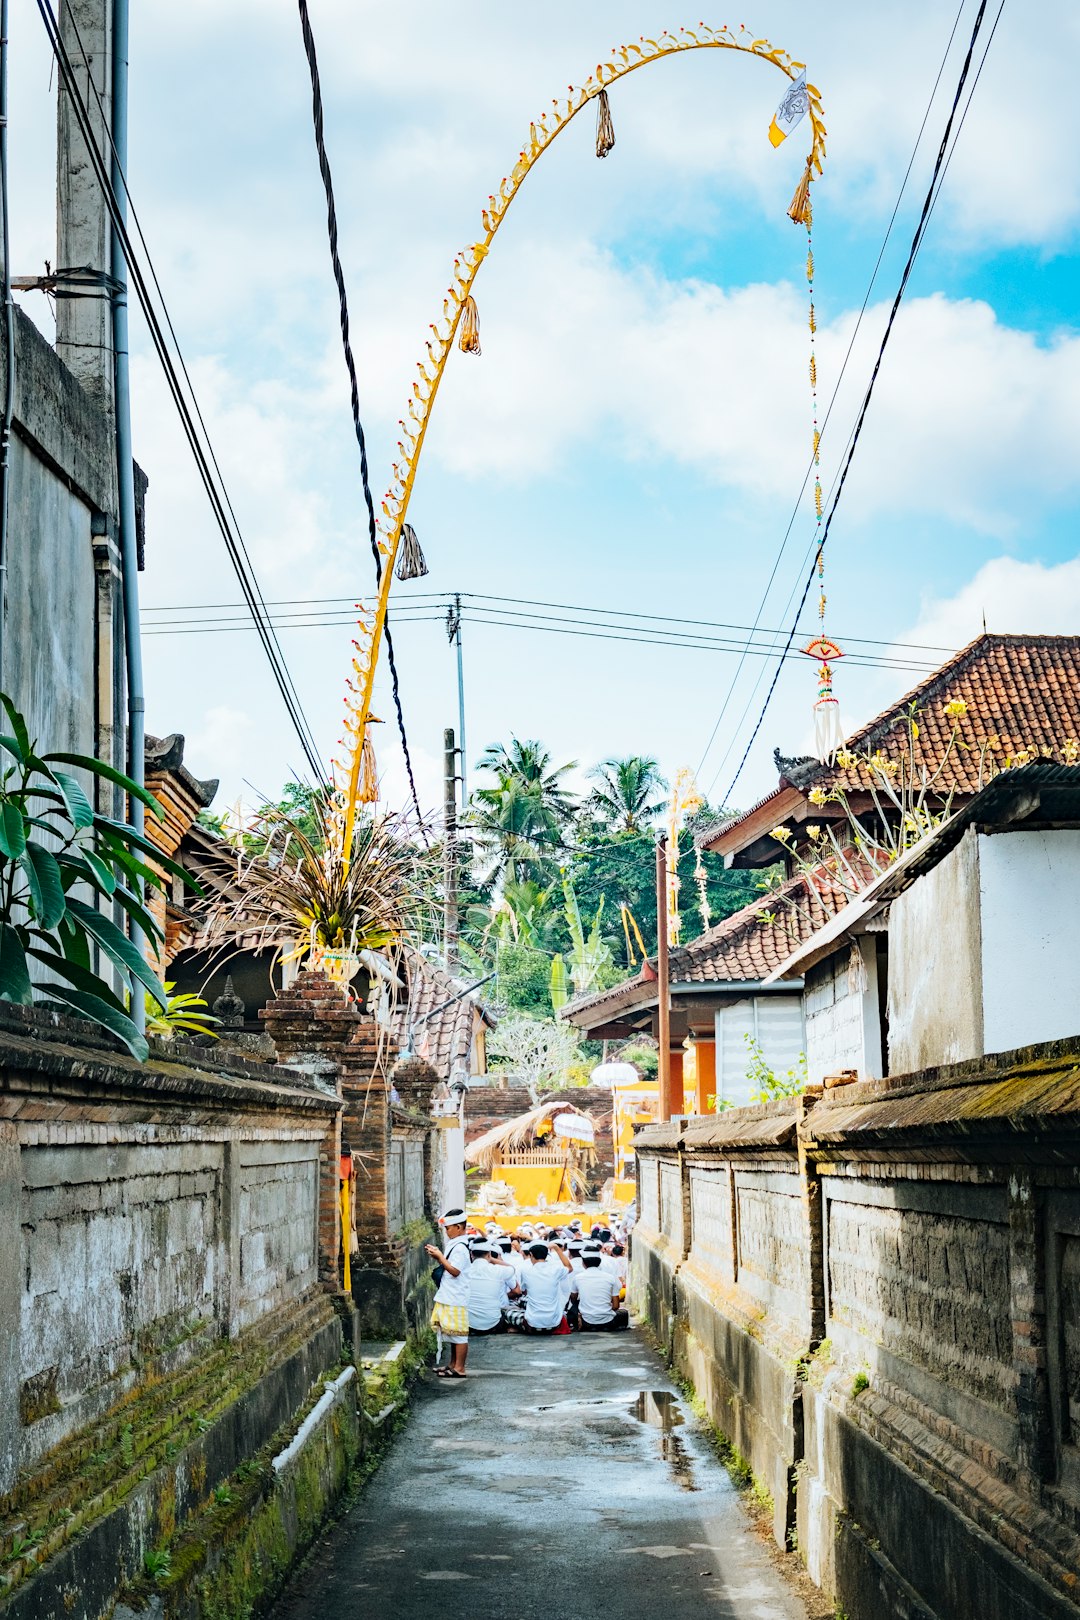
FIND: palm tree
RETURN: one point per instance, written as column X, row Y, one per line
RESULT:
column 521, row 818
column 629, row 792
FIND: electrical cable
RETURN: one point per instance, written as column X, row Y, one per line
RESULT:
column 350, row 366
column 629, row 634
column 431, row 600
column 927, row 208
column 828, row 414
column 204, row 457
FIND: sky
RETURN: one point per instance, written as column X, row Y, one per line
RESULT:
column 634, row 436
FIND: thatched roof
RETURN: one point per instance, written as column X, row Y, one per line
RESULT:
column 516, row 1133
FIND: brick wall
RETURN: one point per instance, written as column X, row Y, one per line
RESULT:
column 147, row 1211
column 875, row 1294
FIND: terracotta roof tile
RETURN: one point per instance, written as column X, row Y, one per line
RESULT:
column 445, row 1038
column 744, row 948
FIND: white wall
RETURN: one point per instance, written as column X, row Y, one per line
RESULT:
column 1029, row 888
column 935, row 965
column 775, row 1022
column 843, row 1021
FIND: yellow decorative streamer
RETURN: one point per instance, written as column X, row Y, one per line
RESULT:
column 627, row 59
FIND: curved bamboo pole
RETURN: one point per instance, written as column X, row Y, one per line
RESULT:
column 627, row 59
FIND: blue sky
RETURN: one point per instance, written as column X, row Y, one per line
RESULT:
column 636, row 431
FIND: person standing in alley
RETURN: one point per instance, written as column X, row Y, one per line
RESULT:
column 450, row 1313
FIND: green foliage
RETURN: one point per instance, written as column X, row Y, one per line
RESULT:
column 629, row 793
column 524, row 981
column 157, row 1564
column 771, row 1086
column 646, row 1059
column 181, row 1015
column 861, row 1382
column 52, row 839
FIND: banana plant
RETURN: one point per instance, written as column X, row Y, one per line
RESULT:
column 589, row 953
column 52, row 844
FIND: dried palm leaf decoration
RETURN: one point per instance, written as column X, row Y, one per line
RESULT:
column 411, row 563
column 605, row 129
column 799, row 211
column 469, row 341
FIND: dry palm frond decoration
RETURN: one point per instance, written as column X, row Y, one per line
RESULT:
column 411, row 563
column 297, row 894
column 605, row 129
column 800, row 211
column 469, row 341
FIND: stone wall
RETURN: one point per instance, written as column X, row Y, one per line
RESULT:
column 161, row 1315
column 874, row 1293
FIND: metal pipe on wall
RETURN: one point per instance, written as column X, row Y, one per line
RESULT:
column 125, row 466
column 662, row 976
column 9, row 327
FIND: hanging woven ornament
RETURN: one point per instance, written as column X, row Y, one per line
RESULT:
column 469, row 341
column 800, row 210
column 368, row 791
column 828, row 731
column 605, row 129
column 411, row 564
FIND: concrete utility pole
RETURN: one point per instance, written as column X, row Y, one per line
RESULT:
column 450, row 851
column 662, row 986
column 453, row 630
column 84, row 339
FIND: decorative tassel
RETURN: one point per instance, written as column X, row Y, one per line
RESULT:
column 605, row 129
column 828, row 732
column 369, row 775
column 411, row 564
column 469, row 341
column 800, row 211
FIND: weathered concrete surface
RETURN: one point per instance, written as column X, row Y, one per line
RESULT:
column 564, row 1479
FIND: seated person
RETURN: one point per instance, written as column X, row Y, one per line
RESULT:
column 547, row 1281
column 490, row 1281
column 598, row 1298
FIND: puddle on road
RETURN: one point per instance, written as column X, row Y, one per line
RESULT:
column 659, row 1409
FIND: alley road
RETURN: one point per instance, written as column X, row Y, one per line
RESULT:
column 562, row 1481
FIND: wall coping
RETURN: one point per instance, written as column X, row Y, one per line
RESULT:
column 42, row 1044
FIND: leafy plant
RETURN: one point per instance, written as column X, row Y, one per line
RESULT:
column 180, row 1015
column 771, row 1086
column 53, row 842
column 861, row 1382
column 303, row 891
column 157, row 1563
column 222, row 1496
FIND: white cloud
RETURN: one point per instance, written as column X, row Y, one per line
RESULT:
column 1014, row 597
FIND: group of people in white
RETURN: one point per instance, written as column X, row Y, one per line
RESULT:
column 538, row 1279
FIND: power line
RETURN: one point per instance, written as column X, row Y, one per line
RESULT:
column 432, row 600
column 828, row 414
column 629, row 634
column 916, row 243
column 350, row 366
column 203, row 452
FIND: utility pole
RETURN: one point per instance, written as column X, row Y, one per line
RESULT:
column 450, row 851
column 453, row 630
column 662, row 986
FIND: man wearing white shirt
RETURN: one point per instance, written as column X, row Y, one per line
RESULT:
column 598, row 1298
column 490, row 1280
column 548, row 1281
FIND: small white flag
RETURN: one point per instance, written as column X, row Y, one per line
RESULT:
column 791, row 111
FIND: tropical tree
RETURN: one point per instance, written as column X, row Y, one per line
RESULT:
column 628, row 794
column 522, row 817
column 536, row 1051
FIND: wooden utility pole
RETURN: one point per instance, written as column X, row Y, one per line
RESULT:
column 450, row 851
column 664, row 1021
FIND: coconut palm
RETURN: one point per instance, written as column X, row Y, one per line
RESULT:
column 522, row 817
column 628, row 793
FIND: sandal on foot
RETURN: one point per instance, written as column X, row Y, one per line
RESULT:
column 448, row 1372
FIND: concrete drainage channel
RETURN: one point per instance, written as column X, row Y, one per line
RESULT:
column 242, row 1548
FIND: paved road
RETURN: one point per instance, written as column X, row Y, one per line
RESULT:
column 561, row 1481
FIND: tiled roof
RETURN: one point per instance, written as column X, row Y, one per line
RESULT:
column 744, row 948
column 1021, row 693
column 445, row 1038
